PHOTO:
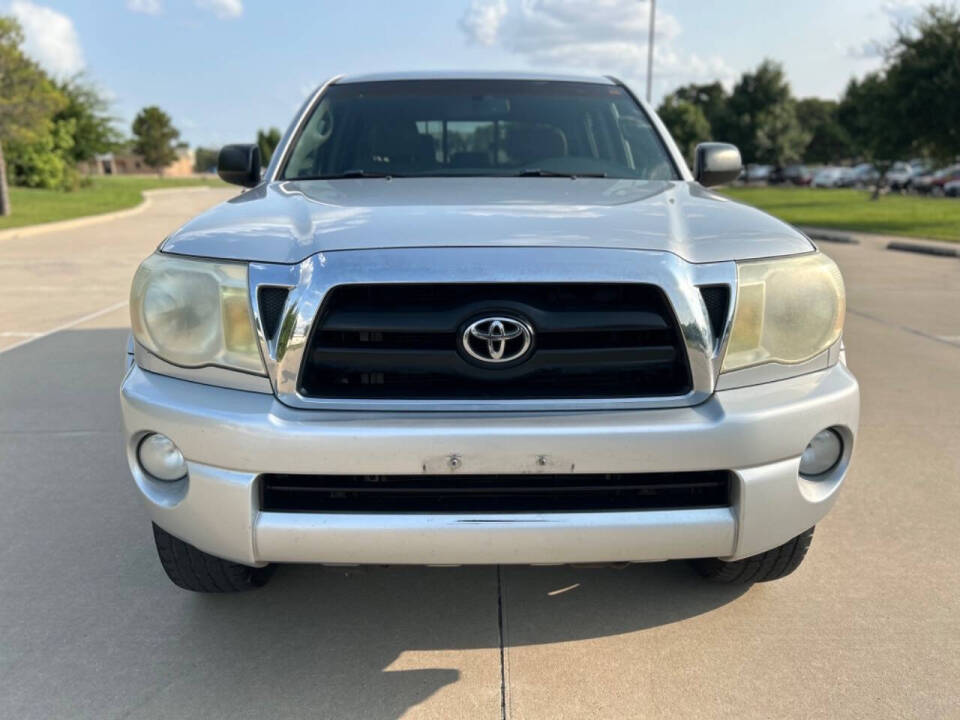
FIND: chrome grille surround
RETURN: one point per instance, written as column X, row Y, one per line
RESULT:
column 310, row 280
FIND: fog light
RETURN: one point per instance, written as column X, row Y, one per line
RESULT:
column 822, row 454
column 161, row 459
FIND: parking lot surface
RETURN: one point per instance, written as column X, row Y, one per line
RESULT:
column 868, row 627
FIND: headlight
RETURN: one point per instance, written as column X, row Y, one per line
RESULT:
column 194, row 313
column 788, row 311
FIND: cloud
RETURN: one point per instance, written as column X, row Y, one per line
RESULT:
column 608, row 36
column 867, row 50
column 225, row 9
column 147, row 7
column 49, row 38
column 900, row 11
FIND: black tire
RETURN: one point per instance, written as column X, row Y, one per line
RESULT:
column 771, row 565
column 195, row 570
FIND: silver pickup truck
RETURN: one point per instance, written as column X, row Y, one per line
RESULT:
column 484, row 318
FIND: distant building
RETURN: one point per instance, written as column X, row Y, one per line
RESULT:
column 133, row 164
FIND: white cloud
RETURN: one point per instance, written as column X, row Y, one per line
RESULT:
column 147, row 7
column 223, row 8
column 49, row 38
column 903, row 10
column 481, row 21
column 607, row 36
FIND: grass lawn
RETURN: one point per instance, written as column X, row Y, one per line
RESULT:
column 907, row 215
column 106, row 194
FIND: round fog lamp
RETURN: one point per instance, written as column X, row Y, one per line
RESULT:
column 161, row 458
column 822, row 453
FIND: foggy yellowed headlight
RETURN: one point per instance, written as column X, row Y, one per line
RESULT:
column 788, row 311
column 194, row 313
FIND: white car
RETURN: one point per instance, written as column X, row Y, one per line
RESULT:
column 482, row 319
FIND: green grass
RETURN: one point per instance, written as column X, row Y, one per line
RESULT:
column 906, row 215
column 106, row 194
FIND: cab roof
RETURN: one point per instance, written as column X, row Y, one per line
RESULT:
column 471, row 75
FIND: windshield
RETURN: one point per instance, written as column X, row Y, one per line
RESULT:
column 478, row 128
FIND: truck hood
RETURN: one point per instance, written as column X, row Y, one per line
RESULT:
column 286, row 222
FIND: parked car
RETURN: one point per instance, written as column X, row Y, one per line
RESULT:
column 791, row 174
column 952, row 188
column 933, row 184
column 862, row 175
column 547, row 342
column 758, row 173
column 829, row 177
column 901, row 174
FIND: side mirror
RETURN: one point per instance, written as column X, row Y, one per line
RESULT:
column 239, row 165
column 716, row 163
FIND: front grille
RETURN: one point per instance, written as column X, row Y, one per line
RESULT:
column 494, row 493
column 401, row 342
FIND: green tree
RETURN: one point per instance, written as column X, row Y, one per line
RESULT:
column 27, row 99
column 923, row 83
column 779, row 139
column 205, row 158
column 93, row 129
column 762, row 120
column 267, row 140
column 44, row 161
column 712, row 100
column 870, row 113
column 686, row 122
column 155, row 138
column 829, row 140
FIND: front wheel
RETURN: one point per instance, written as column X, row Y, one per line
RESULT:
column 197, row 571
column 770, row 565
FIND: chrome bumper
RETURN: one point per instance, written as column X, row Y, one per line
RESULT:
column 757, row 432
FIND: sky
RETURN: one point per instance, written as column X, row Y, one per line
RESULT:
column 224, row 68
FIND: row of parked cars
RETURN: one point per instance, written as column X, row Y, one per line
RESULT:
column 914, row 176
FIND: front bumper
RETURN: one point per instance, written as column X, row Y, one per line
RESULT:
column 230, row 437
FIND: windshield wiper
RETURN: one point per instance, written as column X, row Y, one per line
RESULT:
column 353, row 173
column 537, row 172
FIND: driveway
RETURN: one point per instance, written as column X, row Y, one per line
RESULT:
column 90, row 627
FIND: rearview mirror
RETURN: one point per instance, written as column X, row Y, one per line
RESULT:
column 716, row 163
column 239, row 164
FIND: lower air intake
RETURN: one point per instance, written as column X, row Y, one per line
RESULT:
column 493, row 493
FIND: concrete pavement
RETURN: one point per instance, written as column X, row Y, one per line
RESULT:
column 868, row 627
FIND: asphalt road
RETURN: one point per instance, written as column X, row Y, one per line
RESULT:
column 868, row 627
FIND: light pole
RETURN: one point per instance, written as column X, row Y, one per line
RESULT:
column 653, row 17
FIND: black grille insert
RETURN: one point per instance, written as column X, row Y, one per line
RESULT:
column 494, row 493
column 717, row 300
column 401, row 342
column 271, row 300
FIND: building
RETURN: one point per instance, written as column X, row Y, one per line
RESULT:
column 125, row 163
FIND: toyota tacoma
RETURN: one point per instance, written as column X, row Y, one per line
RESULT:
column 484, row 318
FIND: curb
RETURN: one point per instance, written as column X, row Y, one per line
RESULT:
column 924, row 249
column 30, row 230
column 830, row 237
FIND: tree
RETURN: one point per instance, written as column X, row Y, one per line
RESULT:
column 869, row 113
column 712, row 100
column 923, row 82
column 761, row 116
column 268, row 141
column 93, row 130
column 779, row 139
column 205, row 158
column 27, row 99
column 154, row 138
column 686, row 123
column 44, row 161
column 829, row 140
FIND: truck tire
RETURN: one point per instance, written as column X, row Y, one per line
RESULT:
column 195, row 570
column 770, row 565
